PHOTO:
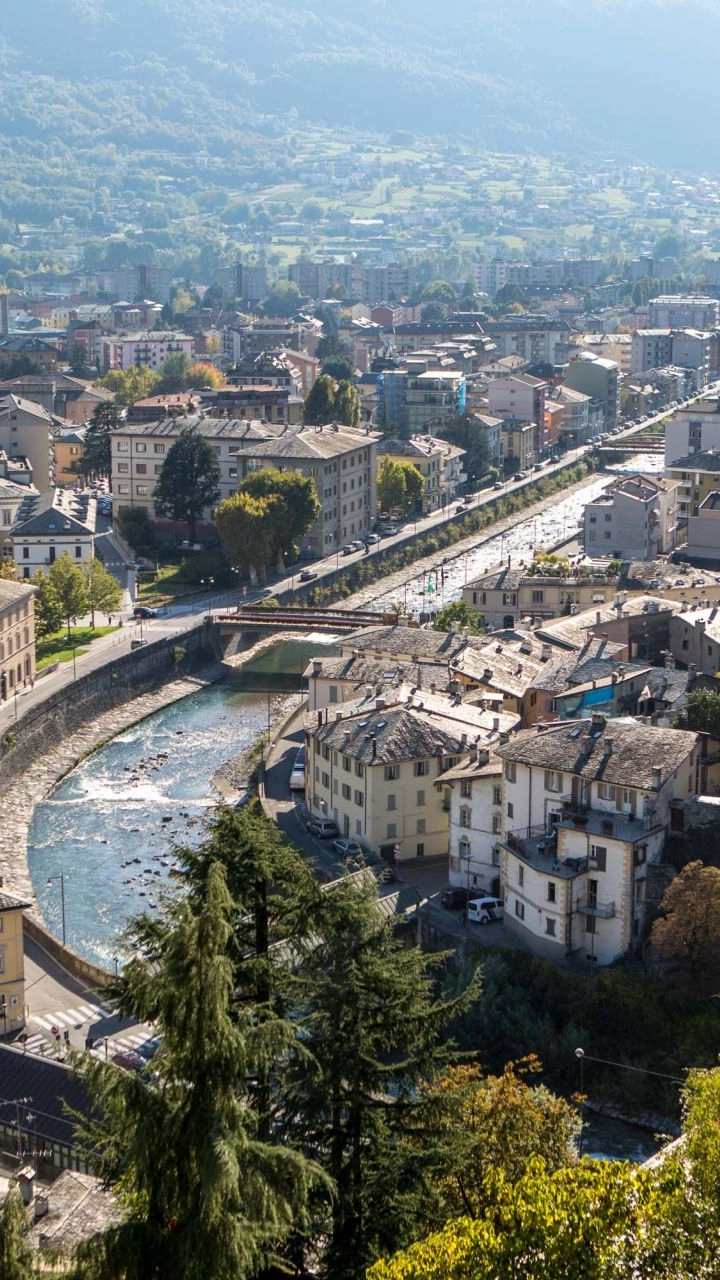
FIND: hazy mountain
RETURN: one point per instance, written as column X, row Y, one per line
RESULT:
column 628, row 75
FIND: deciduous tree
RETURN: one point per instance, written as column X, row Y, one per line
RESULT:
column 189, row 482
column 246, row 525
column 687, row 932
column 17, row 1257
column 391, row 487
column 68, row 583
column 701, row 713
column 103, row 590
column 48, row 607
column 294, row 505
column 319, row 406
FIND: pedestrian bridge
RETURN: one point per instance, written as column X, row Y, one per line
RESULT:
column 262, row 618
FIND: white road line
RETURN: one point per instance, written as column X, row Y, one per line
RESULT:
column 47, row 1023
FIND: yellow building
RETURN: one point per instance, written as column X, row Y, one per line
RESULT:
column 69, row 447
column 17, row 637
column 698, row 475
column 12, row 965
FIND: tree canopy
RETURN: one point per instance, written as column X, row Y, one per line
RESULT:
column 189, row 482
column 331, row 401
column 102, row 589
column 400, row 485
column 96, row 459
column 687, row 931
column 701, row 713
column 67, row 588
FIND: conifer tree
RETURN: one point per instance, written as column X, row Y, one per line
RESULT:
column 16, row 1255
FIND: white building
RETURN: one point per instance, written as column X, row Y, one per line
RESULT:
column 695, row 429
column 127, row 351
column 474, row 790
column 675, row 311
column 587, row 806
column 49, row 524
column 635, row 519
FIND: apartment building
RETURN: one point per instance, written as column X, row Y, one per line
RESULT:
column 27, row 431
column 536, row 338
column 695, row 429
column 12, row 963
column 372, row 766
column 439, row 463
column 126, row 351
column 49, row 524
column 587, row 806
column 504, row 594
column 349, row 677
column 635, row 519
column 473, row 797
column 17, row 638
column 581, row 417
column 703, row 531
column 599, row 379
column 676, row 311
column 409, row 401
column 695, row 640
column 520, row 397
column 697, row 476
column 58, row 394
column 683, row 348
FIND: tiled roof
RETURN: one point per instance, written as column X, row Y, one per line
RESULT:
column 619, row 751
column 12, row 592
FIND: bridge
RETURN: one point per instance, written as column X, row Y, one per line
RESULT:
column 259, row 618
column 648, row 443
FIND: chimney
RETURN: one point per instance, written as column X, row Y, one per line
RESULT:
column 465, row 633
column 496, row 724
column 656, row 778
column 338, row 717
column 368, row 691
column 609, row 743
column 487, row 673
column 545, row 652
column 317, row 666
column 26, row 1179
column 380, row 704
column 319, row 718
column 41, row 1208
column 374, row 747
column 433, row 687
column 598, row 617
column 597, row 722
column 463, row 740
column 483, row 755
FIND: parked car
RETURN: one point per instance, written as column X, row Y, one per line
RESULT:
column 144, row 611
column 297, row 778
column 498, row 485
column 149, row 1048
column 348, row 549
column 358, row 545
column 454, row 899
column 347, row 848
column 324, row 828
column 391, row 530
column 372, row 539
column 519, row 475
column 138, row 644
column 307, row 575
column 485, row 910
column 459, row 510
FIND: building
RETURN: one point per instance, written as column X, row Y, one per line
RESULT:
column 49, row 524
column 587, row 806
column 12, row 959
column 504, row 595
column 40, row 350
column 697, row 476
column 410, row 401
column 703, row 531
column 72, row 399
column 12, row 496
column 349, row 677
column 491, row 431
column 536, row 338
column 581, row 417
column 635, row 519
column 519, row 440
column 281, row 404
column 372, row 766
column 439, row 463
column 683, row 348
column 69, row 447
column 27, row 431
column 599, row 379
column 675, row 311
column 17, row 636
column 694, row 640
column 473, row 795
column 57, row 1094
column 695, row 429
column 340, row 459
column 519, row 397
column 638, row 625
column 127, row 351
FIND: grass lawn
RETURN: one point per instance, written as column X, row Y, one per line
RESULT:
column 57, row 648
column 167, row 586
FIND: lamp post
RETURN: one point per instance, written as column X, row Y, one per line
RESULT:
column 62, row 900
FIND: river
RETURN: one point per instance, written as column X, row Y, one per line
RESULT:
column 103, row 840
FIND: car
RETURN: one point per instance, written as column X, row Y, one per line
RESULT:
column 655, row 584
column 485, row 910
column 680, row 582
column 372, row 540
column 460, row 509
column 307, row 575
column 347, row 848
column 468, row 499
column 297, row 778
column 382, row 517
column 498, row 485
column 323, row 828
column 128, row 1060
column 538, row 466
column 391, row 530
column 348, row 549
column 519, row 475
column 454, row 899
column 358, row 545
column 138, row 644
column 144, row 611
column 149, row 1048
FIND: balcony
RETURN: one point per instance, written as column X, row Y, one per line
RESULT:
column 611, row 823
column 590, row 906
column 537, row 849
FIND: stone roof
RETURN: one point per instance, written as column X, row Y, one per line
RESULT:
column 620, row 751
column 313, row 442
column 400, row 641
column 363, row 670
column 571, row 632
column 707, row 460
column 500, row 666
column 470, row 767
column 79, row 1206
column 12, row 593
column 210, row 428
column 12, row 904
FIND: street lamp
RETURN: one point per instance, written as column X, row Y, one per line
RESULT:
column 62, row 900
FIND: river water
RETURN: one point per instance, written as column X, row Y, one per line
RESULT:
column 109, row 827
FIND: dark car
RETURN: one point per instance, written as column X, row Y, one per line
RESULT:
column 138, row 644
column 144, row 611
column 307, row 575
column 454, row 899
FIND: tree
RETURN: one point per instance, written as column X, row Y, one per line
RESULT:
column 96, row 459
column 319, row 406
column 174, row 374
column 340, row 368
column 372, row 1027
column 438, row 291
column 189, row 481
column 293, row 509
column 391, row 489
column 282, row 300
column 687, row 932
column 347, row 404
column 68, row 583
column 204, row 375
column 17, row 1257
column 103, row 590
column 48, row 608
column 205, row 1193
column 509, row 295
column 136, row 529
column 701, row 713
column 460, row 614
column 8, row 571
column 246, row 527
column 79, row 363
column 131, row 385
column 497, row 1122
column 467, row 433
column 414, row 486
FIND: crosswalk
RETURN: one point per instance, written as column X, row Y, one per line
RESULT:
column 45, row 1033
column 69, row 1017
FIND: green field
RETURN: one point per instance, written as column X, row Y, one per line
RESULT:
column 60, row 648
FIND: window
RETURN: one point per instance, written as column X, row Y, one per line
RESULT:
column 391, row 831
column 141, row 447
column 419, row 850
column 159, row 448
column 392, row 772
column 510, row 771
column 420, row 799
column 519, row 909
column 2, row 959
column 358, row 769
column 317, row 772
column 605, row 791
column 550, row 927
column 392, row 802
column 538, row 597
column 521, row 876
column 589, row 924
column 639, row 854
column 78, row 553
column 26, row 553
column 123, row 468
column 359, row 798
column 346, row 791
column 141, row 468
column 466, row 789
column 553, row 780
column 497, row 795
column 510, row 809
column 598, row 857
column 158, row 468
column 551, row 891
column 464, row 847
column 465, row 816
column 421, row 768
column 496, row 824
column 7, row 517
column 346, row 764
column 326, row 779
column 421, row 826
column 124, row 489
column 123, row 446
column 141, row 490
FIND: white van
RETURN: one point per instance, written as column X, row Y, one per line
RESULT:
column 484, row 910
column 297, row 777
